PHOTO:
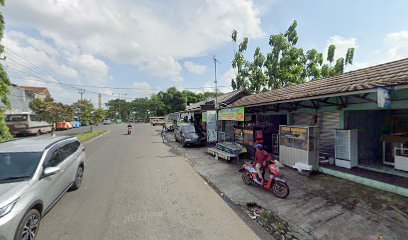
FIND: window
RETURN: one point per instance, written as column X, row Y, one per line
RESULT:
column 16, row 118
column 68, row 149
column 35, row 118
column 17, row 166
column 54, row 159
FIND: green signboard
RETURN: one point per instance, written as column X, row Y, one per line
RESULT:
column 232, row 114
column 204, row 117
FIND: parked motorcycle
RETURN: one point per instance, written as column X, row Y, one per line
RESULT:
column 274, row 181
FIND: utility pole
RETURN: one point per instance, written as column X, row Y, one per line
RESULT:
column 215, row 81
column 81, row 91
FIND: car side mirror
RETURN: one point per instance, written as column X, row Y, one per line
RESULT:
column 49, row 171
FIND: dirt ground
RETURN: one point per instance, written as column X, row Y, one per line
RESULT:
column 318, row 207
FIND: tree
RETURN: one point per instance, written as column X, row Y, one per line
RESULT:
column 257, row 76
column 119, row 108
column 4, row 84
column 173, row 100
column 350, row 56
column 52, row 112
column 240, row 64
column 285, row 64
column 330, row 53
column 84, row 110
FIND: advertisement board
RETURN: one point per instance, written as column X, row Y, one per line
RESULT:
column 383, row 98
column 204, row 117
column 232, row 114
column 211, row 126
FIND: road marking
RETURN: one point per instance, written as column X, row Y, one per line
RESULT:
column 96, row 137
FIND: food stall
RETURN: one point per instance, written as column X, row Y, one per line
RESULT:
column 299, row 147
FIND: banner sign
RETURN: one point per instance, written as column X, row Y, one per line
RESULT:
column 232, row 114
column 383, row 98
column 294, row 132
column 204, row 117
column 211, row 126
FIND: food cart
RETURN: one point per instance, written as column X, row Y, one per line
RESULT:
column 299, row 147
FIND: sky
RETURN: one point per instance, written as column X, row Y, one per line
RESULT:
column 135, row 48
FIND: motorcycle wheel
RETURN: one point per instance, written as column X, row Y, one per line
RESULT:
column 246, row 178
column 280, row 189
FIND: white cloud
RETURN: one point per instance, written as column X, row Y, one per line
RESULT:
column 398, row 45
column 38, row 62
column 342, row 45
column 227, row 78
column 152, row 35
column 142, row 89
column 195, row 68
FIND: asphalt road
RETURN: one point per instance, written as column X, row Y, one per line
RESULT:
column 134, row 188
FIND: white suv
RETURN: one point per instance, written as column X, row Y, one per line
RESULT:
column 34, row 174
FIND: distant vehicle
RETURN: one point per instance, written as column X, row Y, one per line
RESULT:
column 76, row 124
column 157, row 121
column 34, row 174
column 27, row 124
column 107, row 122
column 63, row 125
column 188, row 134
column 118, row 121
column 84, row 124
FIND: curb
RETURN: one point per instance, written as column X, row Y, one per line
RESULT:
column 90, row 140
column 366, row 181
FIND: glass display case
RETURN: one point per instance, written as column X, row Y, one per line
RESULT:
column 299, row 145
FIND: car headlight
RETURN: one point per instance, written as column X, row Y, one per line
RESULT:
column 6, row 209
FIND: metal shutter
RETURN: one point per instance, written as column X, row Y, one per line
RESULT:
column 328, row 122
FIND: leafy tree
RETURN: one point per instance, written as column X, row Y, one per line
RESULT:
column 240, row 64
column 119, row 108
column 257, row 76
column 285, row 64
column 4, row 83
column 350, row 56
column 52, row 112
column 85, row 111
column 330, row 53
column 314, row 61
column 156, row 106
column 173, row 100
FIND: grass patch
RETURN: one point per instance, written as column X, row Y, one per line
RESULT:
column 83, row 137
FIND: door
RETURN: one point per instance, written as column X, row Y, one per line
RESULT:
column 328, row 123
column 69, row 153
column 51, row 185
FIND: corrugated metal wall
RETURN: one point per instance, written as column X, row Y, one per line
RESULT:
column 327, row 122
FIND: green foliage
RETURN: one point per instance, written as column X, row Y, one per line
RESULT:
column 234, row 35
column 330, row 53
column 51, row 111
column 4, row 84
column 350, row 56
column 285, row 65
column 83, row 137
column 119, row 109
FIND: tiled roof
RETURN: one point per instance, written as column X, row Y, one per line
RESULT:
column 38, row 90
column 383, row 75
column 225, row 98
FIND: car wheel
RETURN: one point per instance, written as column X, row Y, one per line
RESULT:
column 29, row 225
column 78, row 178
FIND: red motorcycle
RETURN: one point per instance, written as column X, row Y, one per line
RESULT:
column 273, row 181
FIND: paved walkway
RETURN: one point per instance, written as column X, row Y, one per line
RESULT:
column 318, row 207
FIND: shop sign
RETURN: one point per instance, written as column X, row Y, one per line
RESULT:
column 232, row 114
column 383, row 98
column 294, row 132
column 204, row 117
column 211, row 126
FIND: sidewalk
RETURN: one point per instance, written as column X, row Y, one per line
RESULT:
column 318, row 207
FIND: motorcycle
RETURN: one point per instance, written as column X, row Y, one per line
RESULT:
column 129, row 130
column 274, row 181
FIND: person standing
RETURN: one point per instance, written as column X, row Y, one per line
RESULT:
column 163, row 133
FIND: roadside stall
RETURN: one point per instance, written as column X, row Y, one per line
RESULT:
column 226, row 147
column 299, row 147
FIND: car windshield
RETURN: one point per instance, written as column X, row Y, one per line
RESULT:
column 18, row 166
column 189, row 129
column 16, row 118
